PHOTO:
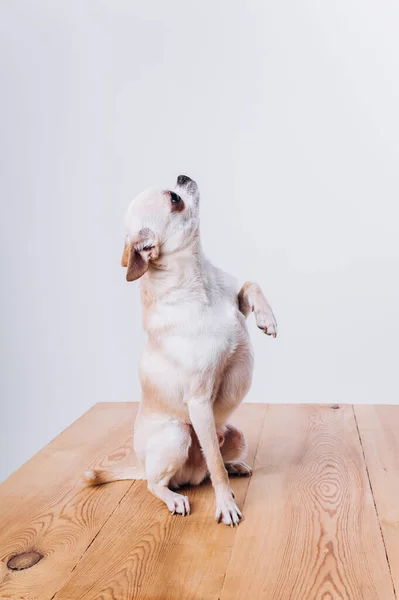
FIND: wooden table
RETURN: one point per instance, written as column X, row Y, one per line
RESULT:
column 321, row 515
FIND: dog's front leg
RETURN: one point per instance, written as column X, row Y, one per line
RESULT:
column 203, row 422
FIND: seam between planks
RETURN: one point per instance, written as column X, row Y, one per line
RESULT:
column 375, row 504
column 94, row 538
column 243, row 504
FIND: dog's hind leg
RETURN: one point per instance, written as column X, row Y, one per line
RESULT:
column 166, row 453
column 234, row 450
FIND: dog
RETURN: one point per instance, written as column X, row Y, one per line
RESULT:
column 197, row 364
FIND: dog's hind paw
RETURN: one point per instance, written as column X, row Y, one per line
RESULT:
column 238, row 468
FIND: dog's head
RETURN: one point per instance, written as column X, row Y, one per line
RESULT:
column 159, row 221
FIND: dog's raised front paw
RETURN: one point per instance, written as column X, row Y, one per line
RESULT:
column 266, row 321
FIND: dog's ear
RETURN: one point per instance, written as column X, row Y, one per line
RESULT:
column 138, row 253
column 125, row 255
column 136, row 262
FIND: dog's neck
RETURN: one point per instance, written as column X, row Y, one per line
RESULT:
column 176, row 277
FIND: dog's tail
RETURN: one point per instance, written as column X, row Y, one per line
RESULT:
column 99, row 476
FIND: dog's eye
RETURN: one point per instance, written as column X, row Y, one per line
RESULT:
column 177, row 204
column 175, row 198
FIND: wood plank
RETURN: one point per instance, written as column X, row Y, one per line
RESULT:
column 45, row 508
column 151, row 554
column 379, row 432
column 311, row 531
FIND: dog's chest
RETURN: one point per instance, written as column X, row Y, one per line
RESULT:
column 197, row 337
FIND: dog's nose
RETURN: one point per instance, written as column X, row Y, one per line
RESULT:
column 183, row 180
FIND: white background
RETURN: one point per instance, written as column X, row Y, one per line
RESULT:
column 287, row 115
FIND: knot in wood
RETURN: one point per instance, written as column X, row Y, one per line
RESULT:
column 25, row 560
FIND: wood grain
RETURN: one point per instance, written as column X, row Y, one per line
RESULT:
column 311, row 530
column 379, row 432
column 151, row 554
column 45, row 508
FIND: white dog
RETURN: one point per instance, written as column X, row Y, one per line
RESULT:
column 197, row 364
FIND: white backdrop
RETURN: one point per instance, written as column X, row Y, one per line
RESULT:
column 287, row 116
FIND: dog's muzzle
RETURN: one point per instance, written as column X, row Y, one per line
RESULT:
column 188, row 184
column 184, row 180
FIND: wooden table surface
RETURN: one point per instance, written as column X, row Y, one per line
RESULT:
column 321, row 515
